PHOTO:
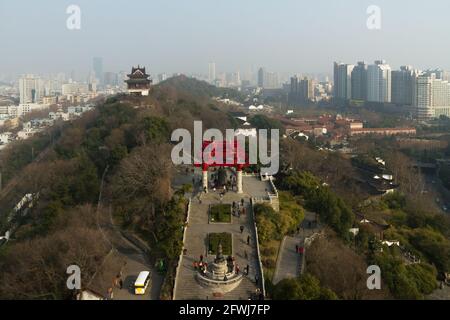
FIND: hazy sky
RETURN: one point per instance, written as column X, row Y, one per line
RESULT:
column 183, row 35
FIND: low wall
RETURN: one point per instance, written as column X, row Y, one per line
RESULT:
column 263, row 285
column 274, row 188
column 186, row 223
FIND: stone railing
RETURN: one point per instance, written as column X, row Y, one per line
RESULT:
column 307, row 242
column 271, row 199
column 186, row 223
column 274, row 188
column 250, row 174
column 258, row 253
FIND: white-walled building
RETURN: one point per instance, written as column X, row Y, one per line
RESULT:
column 431, row 97
column 21, row 109
column 75, row 89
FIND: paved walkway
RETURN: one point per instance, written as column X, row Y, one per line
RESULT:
column 290, row 263
column 187, row 287
column 440, row 294
column 255, row 187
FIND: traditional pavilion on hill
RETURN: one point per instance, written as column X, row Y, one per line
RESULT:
column 138, row 82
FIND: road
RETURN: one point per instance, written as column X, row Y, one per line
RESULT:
column 136, row 260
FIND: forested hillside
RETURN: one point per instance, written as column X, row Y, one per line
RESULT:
column 126, row 141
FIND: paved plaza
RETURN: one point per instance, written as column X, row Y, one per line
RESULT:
column 196, row 244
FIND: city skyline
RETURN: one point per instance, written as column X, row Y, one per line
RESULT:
column 243, row 38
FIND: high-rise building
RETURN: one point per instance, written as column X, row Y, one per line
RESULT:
column 431, row 96
column 379, row 82
column 271, row 80
column 31, row 89
column 261, row 74
column 403, row 85
column 359, row 81
column 212, row 72
column 342, row 81
column 301, row 90
column 98, row 69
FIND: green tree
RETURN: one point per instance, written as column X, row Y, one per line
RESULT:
column 306, row 287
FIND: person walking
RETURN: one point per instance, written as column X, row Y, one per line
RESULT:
column 201, row 258
column 120, row 283
column 242, row 229
column 296, row 248
column 248, row 240
column 242, row 201
column 110, row 293
column 247, row 269
column 237, row 269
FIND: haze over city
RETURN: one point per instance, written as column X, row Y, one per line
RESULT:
column 199, row 152
column 180, row 36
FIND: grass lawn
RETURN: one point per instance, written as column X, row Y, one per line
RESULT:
column 220, row 213
column 224, row 238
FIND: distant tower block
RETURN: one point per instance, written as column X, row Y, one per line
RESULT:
column 138, row 82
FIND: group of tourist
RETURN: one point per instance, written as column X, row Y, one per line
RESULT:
column 234, row 266
column 246, row 269
column 200, row 265
column 238, row 208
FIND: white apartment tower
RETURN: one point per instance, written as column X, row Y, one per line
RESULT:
column 431, row 97
column 379, row 82
column 31, row 89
